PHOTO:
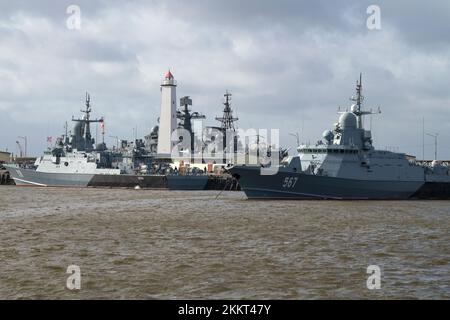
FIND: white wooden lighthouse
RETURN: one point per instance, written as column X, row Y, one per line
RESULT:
column 168, row 115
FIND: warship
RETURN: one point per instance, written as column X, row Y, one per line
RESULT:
column 346, row 165
column 76, row 161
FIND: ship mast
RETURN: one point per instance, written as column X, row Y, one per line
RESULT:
column 85, row 141
column 357, row 107
column 227, row 120
column 87, row 113
column 227, row 124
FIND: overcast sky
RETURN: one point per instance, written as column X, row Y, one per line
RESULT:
column 289, row 65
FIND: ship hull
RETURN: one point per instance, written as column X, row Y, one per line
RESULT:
column 171, row 182
column 178, row 182
column 128, row 181
column 28, row 177
column 287, row 185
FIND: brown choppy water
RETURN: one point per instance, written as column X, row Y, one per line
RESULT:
column 159, row 244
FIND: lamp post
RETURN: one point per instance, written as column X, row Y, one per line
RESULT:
column 25, row 140
column 117, row 141
column 435, row 136
column 296, row 137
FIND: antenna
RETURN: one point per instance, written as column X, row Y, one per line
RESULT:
column 102, row 125
column 88, row 105
column 423, row 138
column 358, row 99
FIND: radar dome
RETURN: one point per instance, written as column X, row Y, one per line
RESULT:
column 353, row 108
column 328, row 135
column 101, row 147
column 347, row 120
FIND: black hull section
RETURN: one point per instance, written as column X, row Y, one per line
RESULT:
column 128, row 181
column 433, row 190
column 174, row 182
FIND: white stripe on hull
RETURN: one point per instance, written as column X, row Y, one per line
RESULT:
column 26, row 182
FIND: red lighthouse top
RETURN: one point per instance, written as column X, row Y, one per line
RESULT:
column 169, row 75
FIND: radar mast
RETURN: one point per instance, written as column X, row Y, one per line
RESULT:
column 82, row 139
column 357, row 107
column 227, row 120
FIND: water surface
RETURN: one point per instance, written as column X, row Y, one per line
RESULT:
column 146, row 244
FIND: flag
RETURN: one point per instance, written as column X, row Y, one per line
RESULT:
column 49, row 139
column 102, row 124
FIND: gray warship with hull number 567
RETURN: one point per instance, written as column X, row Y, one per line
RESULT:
column 347, row 166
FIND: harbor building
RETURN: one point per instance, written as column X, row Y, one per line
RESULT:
column 5, row 156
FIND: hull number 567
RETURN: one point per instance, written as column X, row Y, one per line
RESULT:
column 289, row 182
